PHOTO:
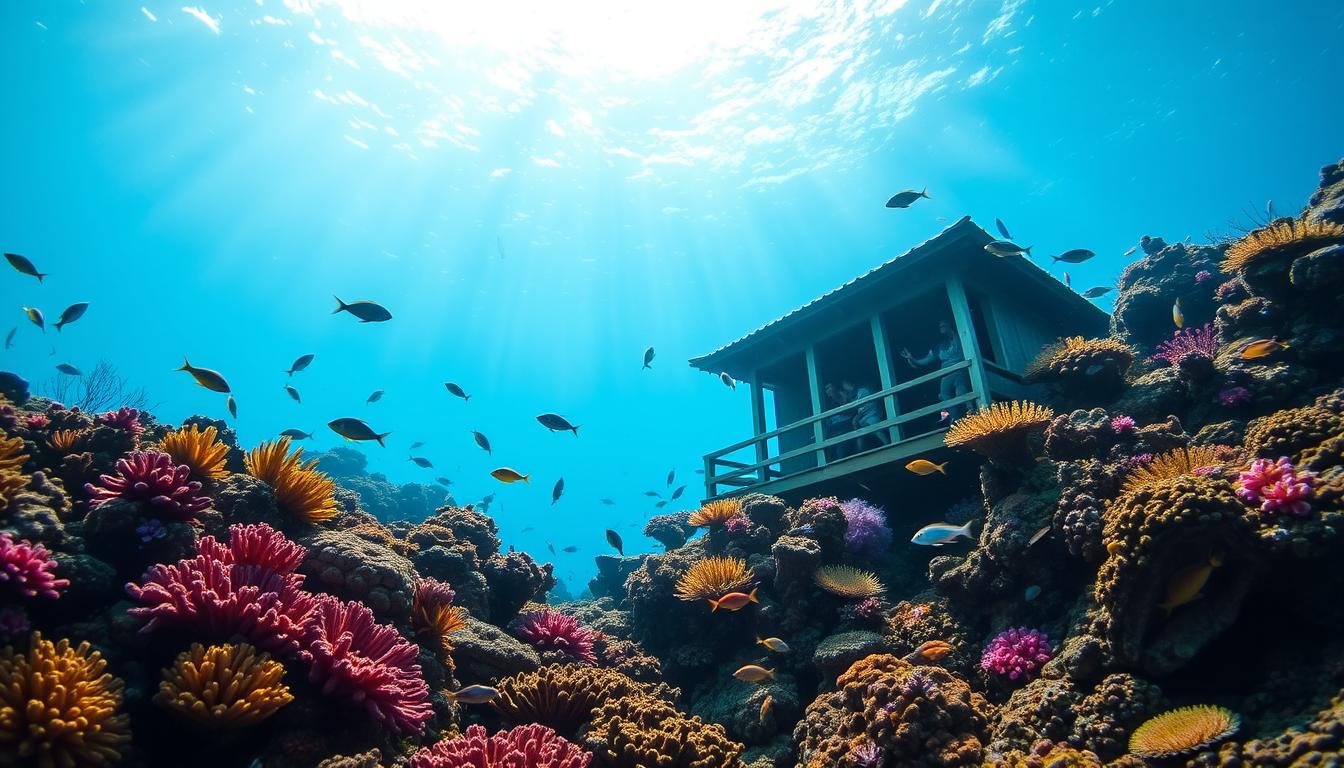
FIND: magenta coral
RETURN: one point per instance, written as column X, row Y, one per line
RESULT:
column 1017, row 653
column 351, row 655
column 432, row 592
column 1188, row 342
column 866, row 531
column 549, row 630
column 1122, row 425
column 1278, row 487
column 125, row 419
column 259, row 545
column 737, row 525
column 36, row 421
column 525, row 746
column 27, row 570
column 151, row 476
column 1203, row 276
column 1232, row 397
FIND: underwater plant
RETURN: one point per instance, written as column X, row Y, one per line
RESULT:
column 299, row 488
column 27, row 570
column 714, row 577
column 716, row 513
column 1300, row 234
column 866, row 531
column 1174, row 463
column 151, row 477
column 1017, row 654
column 534, row 746
column 1278, row 487
column 1185, row 343
column 999, row 432
column 199, row 449
column 1183, row 730
column 548, row 630
column 849, row 582
column 223, row 686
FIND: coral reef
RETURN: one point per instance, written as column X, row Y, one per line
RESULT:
column 845, row 581
column 1183, row 730
column 1016, row 654
column 223, row 686
column 299, row 489
column 552, row 632
column 1000, row 431
column 152, row 477
column 533, row 746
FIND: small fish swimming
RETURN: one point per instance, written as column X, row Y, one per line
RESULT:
column 445, row 482
column 733, row 601
column 293, row 393
column 557, row 423
column 728, row 381
column 570, row 549
column 904, row 199
column 930, row 650
column 456, row 391
column 528, row 528
column 661, row 504
column 374, row 397
column 614, row 539
column 551, row 547
column 35, row 317
column 609, row 502
column 297, row 434
column 24, row 266
column 938, row 534
column 302, row 362
column 232, row 406
column 1097, row 292
column 802, row 530
column 421, row 461
column 925, row 467
column 1037, row 536
column 1031, row 593
column 1003, row 230
column 1074, row 256
column 70, row 314
column 1068, row 281
column 1131, row 250
column 1003, row 248
column 507, row 475
column 1177, row 314
column 774, row 644
column 752, row 673
column 671, row 476
column 211, row 380
column 366, row 311
column 356, row 430
column 676, row 494
column 481, row 441
column 766, row 705
column 474, row 694
column 557, row 490
column 69, row 370
column 648, row 357
column 9, row 339
column 1262, row 348
column 417, row 444
column 1187, row 584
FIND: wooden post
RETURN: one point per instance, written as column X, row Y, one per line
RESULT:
column 884, row 374
column 818, row 436
column 758, row 423
column 961, row 314
column 711, row 487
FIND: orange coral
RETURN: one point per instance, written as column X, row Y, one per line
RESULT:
column 714, row 577
column 66, row 440
column 1183, row 730
column 845, row 581
column 200, row 450
column 299, row 488
column 1175, row 463
column 637, row 731
column 716, row 513
column 12, row 478
column 563, row 696
column 223, row 686
column 1073, row 356
column 1299, row 235
column 999, row 432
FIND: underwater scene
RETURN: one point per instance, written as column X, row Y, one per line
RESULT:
column 415, row 384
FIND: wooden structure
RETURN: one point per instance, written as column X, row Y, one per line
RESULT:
column 1001, row 310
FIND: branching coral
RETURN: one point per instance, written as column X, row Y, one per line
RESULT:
column 563, row 696
column 716, row 513
column 714, row 577
column 1199, row 342
column 27, row 570
column 1278, row 487
column 638, row 731
column 1296, row 235
column 552, row 631
column 299, row 488
column 200, row 450
column 153, row 478
column 849, row 582
column 1176, row 463
column 59, row 707
column 434, row 615
column 866, row 531
column 1017, row 654
column 125, row 419
column 1075, row 358
column 525, row 746
column 1000, row 432
column 1182, row 730
column 223, row 686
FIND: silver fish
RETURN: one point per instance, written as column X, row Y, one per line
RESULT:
column 1006, row 248
column 938, row 534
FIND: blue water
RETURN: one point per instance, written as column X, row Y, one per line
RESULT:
column 539, row 194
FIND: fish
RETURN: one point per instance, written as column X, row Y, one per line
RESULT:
column 570, row 549
column 752, row 673
column 24, row 266
column 9, row 339
column 1068, row 281
column 614, row 539
column 293, row 393
column 774, row 644
column 528, row 528
column 925, row 467
column 481, row 441
column 1003, row 230
column 929, row 650
column 1131, row 250
column 1185, row 586
column 653, row 494
column 69, row 370
column 374, row 397
column 1031, row 593
column 70, row 314
column 445, row 482
column 1074, row 256
column 551, row 547
column 417, row 444
column 1097, row 292
column 766, row 705
column 356, row 430
column 609, row 502
column 905, row 198
column 733, row 601
column 938, row 534
column 366, row 311
column 456, row 391
column 1037, row 536
column 648, row 357
column 297, row 434
column 802, row 530
column 1006, row 248
column 727, row 381
column 507, row 475
column 1262, row 348
column 557, row 423
column 302, row 362
column 474, row 694
column 557, row 490
column 1177, row 315
column 671, row 476
column 421, row 461
column 35, row 317
column 676, row 494
column 211, row 380
column 232, row 406
column 660, row 504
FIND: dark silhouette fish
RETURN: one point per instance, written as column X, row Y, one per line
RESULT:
column 528, row 528
column 648, row 357
column 71, row 314
column 660, row 504
column 557, row 490
column 671, row 476
column 24, row 266
column 653, row 494
column 1003, row 229
column 456, row 391
column 69, row 370
column 482, row 441
column 422, row 462
column 677, row 493
column 551, row 547
column 445, row 482
column 9, row 339
column 609, row 502
column 614, row 539
column 297, row 434
column 35, row 317
column 293, row 393
column 375, row 397
column 211, row 380
column 231, row 405
column 570, row 549
column 300, row 364
column 366, row 311
column 356, row 430
column 1096, row 293
column 417, row 444
column 1075, row 256
column 557, row 423
column 904, row 199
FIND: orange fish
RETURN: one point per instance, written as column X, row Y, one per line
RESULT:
column 733, row 601
column 1262, row 348
column 930, row 650
column 753, row 673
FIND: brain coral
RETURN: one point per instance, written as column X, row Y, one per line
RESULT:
column 639, row 731
column 223, row 686
column 563, row 696
column 525, row 746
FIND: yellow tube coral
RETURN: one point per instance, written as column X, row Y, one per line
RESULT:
column 223, row 686
column 716, row 513
column 563, row 696
column 714, row 577
column 199, row 449
column 999, row 432
column 637, row 731
column 299, row 488
column 1299, row 235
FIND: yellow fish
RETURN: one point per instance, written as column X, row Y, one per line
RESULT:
column 1185, row 585
column 774, row 644
column 765, row 706
column 506, row 475
column 752, row 673
column 1114, row 547
column 211, row 380
column 35, row 315
column 1177, row 315
column 1262, row 348
column 925, row 467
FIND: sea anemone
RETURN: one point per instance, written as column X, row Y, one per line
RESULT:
column 532, row 746
column 151, row 477
column 223, row 686
column 27, row 570
column 58, row 707
column 199, row 450
column 716, row 513
column 867, row 755
column 299, row 488
column 1017, row 654
column 1182, row 730
column 434, row 615
column 845, row 581
column 1185, row 343
column 1122, row 425
column 1299, row 234
column 1074, row 357
column 553, row 631
column 999, row 432
column 714, row 577
column 1278, row 487
column 1175, row 463
column 66, row 441
column 866, row 531
column 125, row 419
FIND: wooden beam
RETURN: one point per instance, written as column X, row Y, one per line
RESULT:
column 758, row 419
column 814, row 385
column 970, row 347
column 884, row 373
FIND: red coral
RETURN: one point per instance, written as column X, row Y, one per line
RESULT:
column 549, row 630
column 125, row 419
column 432, row 592
column 526, row 746
column 27, row 570
column 352, row 655
column 151, row 476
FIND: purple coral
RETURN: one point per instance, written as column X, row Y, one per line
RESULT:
column 549, row 630
column 869, row 608
column 1203, row 276
column 1122, row 425
column 737, row 525
column 867, row 755
column 1017, row 654
column 1278, row 487
column 1232, row 397
column 1188, row 342
column 151, row 476
column 27, row 570
column 1136, row 461
column 866, row 531
column 125, row 419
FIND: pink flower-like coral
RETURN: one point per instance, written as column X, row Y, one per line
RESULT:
column 1188, row 342
column 525, row 746
column 737, row 525
column 1278, row 487
column 125, row 419
column 1122, row 425
column 1017, row 654
column 549, row 630
column 151, row 476
column 27, row 570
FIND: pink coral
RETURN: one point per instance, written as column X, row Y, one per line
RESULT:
column 151, row 476
column 259, row 545
column 549, row 630
column 350, row 654
column 36, row 421
column 432, row 592
column 1278, row 487
column 737, row 525
column 27, row 570
column 1203, row 276
column 525, row 746
column 1017, row 653
column 1231, row 397
column 1122, row 425
column 125, row 419
column 1188, row 342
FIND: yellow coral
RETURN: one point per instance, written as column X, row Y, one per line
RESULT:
column 58, row 707
column 437, row 621
column 638, row 731
column 299, row 488
column 1182, row 461
column 563, row 696
column 66, row 440
column 1075, row 355
column 1303, row 234
column 999, row 432
column 845, row 581
column 716, row 513
column 1183, row 730
column 12, row 478
column 223, row 686
column 199, row 449
column 714, row 577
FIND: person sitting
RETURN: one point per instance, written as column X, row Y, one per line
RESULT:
column 868, row 414
column 946, row 353
column 837, row 423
